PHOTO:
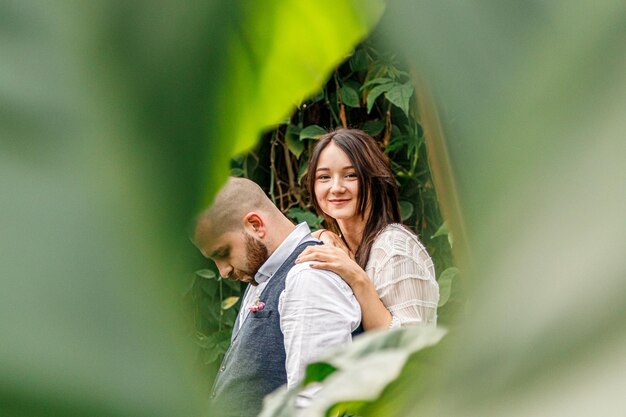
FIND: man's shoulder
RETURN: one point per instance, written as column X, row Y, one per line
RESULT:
column 304, row 271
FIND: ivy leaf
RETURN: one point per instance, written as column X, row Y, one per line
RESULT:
column 349, row 96
column 445, row 284
column 373, row 127
column 358, row 62
column 400, row 96
column 206, row 273
column 229, row 302
column 300, row 215
column 376, row 81
column 406, row 209
column 312, row 132
column 374, row 93
column 292, row 138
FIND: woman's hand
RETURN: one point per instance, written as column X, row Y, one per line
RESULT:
column 332, row 239
column 336, row 259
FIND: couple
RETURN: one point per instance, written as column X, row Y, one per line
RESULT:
column 305, row 297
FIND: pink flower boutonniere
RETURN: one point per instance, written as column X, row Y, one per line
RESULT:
column 258, row 305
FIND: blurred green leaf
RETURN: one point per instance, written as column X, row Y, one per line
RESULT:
column 442, row 231
column 206, row 274
column 445, row 284
column 406, row 209
column 317, row 372
column 278, row 68
column 229, row 302
column 375, row 357
column 236, row 172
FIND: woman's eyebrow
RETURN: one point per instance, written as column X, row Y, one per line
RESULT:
column 328, row 169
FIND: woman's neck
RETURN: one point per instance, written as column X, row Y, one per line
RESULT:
column 352, row 232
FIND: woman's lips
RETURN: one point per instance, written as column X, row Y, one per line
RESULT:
column 338, row 202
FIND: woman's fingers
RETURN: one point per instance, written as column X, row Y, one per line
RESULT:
column 314, row 256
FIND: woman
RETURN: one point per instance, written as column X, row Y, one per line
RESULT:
column 389, row 270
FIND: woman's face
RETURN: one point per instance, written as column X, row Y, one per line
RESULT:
column 336, row 184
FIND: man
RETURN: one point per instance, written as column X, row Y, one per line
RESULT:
column 290, row 314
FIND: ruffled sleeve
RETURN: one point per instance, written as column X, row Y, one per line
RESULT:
column 404, row 276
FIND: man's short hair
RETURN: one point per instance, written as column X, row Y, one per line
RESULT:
column 236, row 198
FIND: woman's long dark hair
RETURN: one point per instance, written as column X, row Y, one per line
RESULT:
column 377, row 185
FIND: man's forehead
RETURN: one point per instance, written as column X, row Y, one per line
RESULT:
column 215, row 245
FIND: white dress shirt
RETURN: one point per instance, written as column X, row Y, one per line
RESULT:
column 317, row 308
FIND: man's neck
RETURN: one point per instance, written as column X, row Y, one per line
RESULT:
column 281, row 230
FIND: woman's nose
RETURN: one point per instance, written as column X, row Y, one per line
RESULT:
column 337, row 186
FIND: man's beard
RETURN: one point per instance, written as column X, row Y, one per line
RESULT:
column 257, row 254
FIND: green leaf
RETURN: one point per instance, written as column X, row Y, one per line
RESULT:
column 349, row 96
column 277, row 68
column 374, row 127
column 376, row 81
column 375, row 357
column 233, row 284
column 312, row 132
column 229, row 302
column 206, row 274
column 442, row 231
column 292, row 137
column 300, row 215
column 406, row 210
column 400, row 96
column 374, row 93
column 359, row 62
column 209, row 356
column 93, row 98
column 236, row 172
column 445, row 284
column 317, row 372
column 229, row 317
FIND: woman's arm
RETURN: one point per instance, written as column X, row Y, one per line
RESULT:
column 404, row 275
column 337, row 259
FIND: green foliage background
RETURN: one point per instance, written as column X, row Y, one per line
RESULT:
column 370, row 90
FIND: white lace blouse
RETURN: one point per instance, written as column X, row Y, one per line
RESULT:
column 404, row 276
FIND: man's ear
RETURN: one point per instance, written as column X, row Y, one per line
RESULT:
column 254, row 224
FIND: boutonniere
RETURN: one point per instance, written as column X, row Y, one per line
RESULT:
column 258, row 305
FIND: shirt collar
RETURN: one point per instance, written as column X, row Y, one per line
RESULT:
column 299, row 235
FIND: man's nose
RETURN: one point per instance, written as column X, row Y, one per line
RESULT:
column 224, row 268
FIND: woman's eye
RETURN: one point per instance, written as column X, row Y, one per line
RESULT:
column 351, row 175
column 323, row 177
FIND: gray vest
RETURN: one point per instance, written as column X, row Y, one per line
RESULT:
column 254, row 365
